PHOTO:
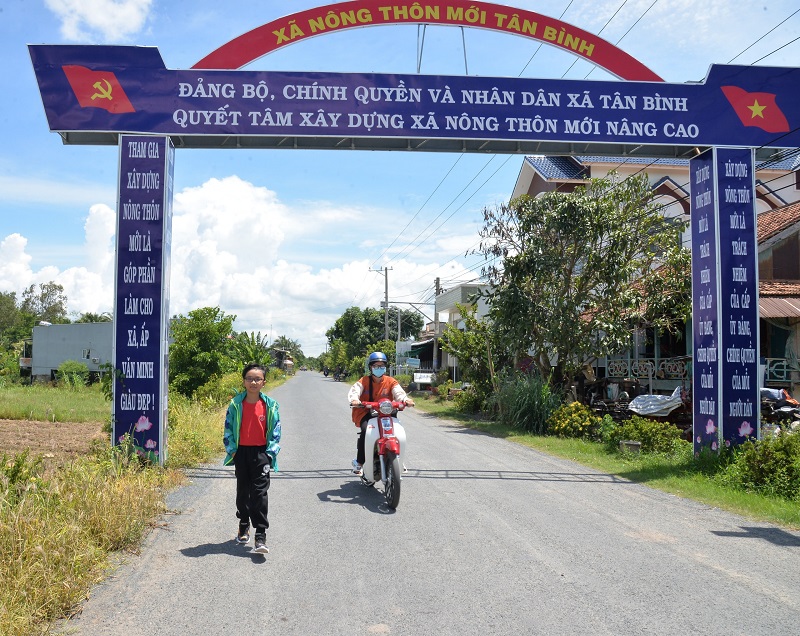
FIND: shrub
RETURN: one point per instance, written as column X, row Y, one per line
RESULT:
column 72, row 374
column 443, row 390
column 606, row 429
column 404, row 379
column 656, row 437
column 468, row 401
column 525, row 402
column 771, row 466
column 573, row 420
column 220, row 389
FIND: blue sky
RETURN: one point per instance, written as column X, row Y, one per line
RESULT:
column 286, row 239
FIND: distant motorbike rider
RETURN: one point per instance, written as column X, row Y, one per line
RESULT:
column 373, row 387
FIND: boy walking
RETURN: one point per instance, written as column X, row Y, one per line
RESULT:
column 252, row 435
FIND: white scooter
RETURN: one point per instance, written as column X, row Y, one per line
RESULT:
column 384, row 440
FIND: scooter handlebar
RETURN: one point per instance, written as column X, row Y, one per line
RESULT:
column 376, row 405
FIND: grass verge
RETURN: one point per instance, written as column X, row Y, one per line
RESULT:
column 58, row 529
column 677, row 474
column 44, row 403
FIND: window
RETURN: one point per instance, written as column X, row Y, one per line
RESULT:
column 87, row 353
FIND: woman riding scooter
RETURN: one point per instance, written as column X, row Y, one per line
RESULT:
column 373, row 387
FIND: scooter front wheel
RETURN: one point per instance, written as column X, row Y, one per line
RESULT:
column 392, row 487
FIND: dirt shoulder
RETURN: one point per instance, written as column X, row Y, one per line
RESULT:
column 56, row 441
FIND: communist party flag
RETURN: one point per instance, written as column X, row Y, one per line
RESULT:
column 98, row 89
column 757, row 109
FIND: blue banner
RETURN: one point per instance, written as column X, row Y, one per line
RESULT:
column 126, row 89
column 141, row 312
column 705, row 303
column 738, row 270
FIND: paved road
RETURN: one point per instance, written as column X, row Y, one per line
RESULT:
column 489, row 538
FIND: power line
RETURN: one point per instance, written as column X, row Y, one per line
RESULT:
column 626, row 33
column 575, row 61
column 775, row 51
column 762, row 37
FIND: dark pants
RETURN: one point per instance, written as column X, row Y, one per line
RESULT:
column 360, row 452
column 252, row 466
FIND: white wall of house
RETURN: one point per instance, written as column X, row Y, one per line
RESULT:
column 90, row 343
column 446, row 307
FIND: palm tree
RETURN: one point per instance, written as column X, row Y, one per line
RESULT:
column 285, row 343
column 252, row 347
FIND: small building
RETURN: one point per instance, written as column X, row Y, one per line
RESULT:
column 90, row 343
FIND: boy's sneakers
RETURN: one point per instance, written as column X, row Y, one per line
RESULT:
column 261, row 545
column 357, row 469
column 244, row 533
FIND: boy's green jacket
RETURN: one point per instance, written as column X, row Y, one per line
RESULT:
column 233, row 424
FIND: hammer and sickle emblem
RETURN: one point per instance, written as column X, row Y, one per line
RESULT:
column 102, row 93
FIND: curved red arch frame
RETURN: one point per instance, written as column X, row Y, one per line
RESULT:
column 361, row 13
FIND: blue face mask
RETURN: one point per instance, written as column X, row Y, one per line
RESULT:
column 378, row 371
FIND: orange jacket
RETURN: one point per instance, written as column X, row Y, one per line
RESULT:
column 380, row 390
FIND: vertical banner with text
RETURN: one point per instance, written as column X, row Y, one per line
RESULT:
column 705, row 296
column 738, row 262
column 141, row 310
column 724, row 298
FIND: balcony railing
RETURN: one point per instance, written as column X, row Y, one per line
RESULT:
column 650, row 368
column 778, row 370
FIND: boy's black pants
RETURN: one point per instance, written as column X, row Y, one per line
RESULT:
column 252, row 466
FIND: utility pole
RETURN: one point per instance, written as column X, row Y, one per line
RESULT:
column 385, row 273
column 436, row 329
column 386, row 300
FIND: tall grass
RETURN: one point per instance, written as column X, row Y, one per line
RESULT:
column 195, row 431
column 525, row 402
column 57, row 531
column 45, row 403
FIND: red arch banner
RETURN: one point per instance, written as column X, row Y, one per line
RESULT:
column 483, row 15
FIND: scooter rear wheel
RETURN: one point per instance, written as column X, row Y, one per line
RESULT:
column 392, row 489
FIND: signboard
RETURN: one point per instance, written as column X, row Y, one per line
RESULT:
column 423, row 378
column 95, row 92
column 705, row 304
column 724, row 298
column 334, row 18
column 738, row 270
column 144, row 227
column 412, row 362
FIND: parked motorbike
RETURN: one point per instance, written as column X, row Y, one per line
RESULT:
column 383, row 441
column 778, row 407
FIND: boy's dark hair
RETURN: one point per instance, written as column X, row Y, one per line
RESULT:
column 252, row 366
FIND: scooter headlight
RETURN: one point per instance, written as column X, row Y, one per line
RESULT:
column 386, row 408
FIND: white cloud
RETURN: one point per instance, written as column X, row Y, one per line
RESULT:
column 235, row 245
column 14, row 263
column 111, row 20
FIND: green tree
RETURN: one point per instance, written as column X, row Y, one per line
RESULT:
column 292, row 346
column 566, row 268
column 351, row 329
column 199, row 350
column 359, row 328
column 46, row 301
column 251, row 347
column 92, row 317
column 478, row 349
column 666, row 293
column 9, row 312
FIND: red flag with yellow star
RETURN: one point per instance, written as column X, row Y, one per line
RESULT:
column 98, row 89
column 757, row 109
